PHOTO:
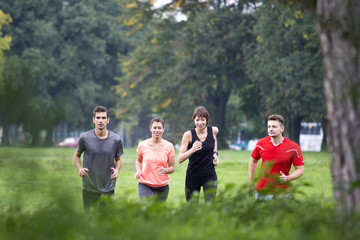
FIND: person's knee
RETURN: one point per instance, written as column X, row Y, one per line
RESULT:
column 210, row 186
column 210, row 194
column 192, row 195
column 210, row 189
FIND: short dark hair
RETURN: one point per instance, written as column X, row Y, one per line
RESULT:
column 157, row 119
column 202, row 112
column 98, row 109
column 277, row 117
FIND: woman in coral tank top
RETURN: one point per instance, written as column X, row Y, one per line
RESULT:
column 155, row 160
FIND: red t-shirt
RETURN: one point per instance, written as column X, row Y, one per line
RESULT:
column 276, row 158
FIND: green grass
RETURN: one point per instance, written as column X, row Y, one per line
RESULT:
column 40, row 194
column 30, row 174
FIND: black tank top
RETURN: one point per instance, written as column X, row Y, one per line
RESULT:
column 201, row 162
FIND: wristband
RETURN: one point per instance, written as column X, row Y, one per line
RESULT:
column 217, row 154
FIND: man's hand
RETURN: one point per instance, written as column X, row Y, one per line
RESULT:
column 115, row 174
column 283, row 177
column 83, row 172
column 250, row 189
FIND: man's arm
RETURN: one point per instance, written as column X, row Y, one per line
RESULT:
column 77, row 160
column 299, row 171
column 117, row 168
column 252, row 169
column 251, row 173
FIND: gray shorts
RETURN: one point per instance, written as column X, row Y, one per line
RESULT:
column 159, row 193
column 269, row 197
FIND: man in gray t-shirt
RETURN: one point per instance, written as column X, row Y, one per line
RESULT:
column 102, row 149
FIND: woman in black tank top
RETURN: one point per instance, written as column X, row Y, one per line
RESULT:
column 199, row 145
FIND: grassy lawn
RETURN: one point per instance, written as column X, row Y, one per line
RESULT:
column 30, row 176
column 40, row 198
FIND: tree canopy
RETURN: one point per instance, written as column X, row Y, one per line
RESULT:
column 222, row 54
column 285, row 64
column 223, row 50
column 176, row 66
column 5, row 19
column 64, row 54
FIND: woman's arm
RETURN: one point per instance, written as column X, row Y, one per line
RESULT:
column 169, row 169
column 215, row 131
column 183, row 152
column 138, row 166
column 171, row 165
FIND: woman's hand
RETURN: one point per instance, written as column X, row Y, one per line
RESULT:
column 215, row 159
column 196, row 146
column 161, row 171
column 138, row 175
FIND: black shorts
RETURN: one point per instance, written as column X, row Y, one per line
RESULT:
column 193, row 185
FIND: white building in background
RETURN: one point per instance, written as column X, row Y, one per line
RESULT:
column 311, row 136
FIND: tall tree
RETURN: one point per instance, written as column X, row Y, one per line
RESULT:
column 5, row 19
column 339, row 24
column 179, row 65
column 68, row 56
column 339, row 28
column 285, row 64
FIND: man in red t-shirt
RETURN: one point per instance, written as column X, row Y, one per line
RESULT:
column 278, row 154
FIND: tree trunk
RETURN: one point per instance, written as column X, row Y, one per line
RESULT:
column 219, row 116
column 5, row 141
column 294, row 129
column 339, row 26
column 324, row 143
column 35, row 137
column 49, row 141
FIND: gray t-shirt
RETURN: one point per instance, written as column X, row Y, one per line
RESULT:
column 99, row 157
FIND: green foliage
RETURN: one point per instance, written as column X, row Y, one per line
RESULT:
column 66, row 56
column 40, row 194
column 176, row 66
column 285, row 63
column 5, row 19
column 242, row 60
column 237, row 218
